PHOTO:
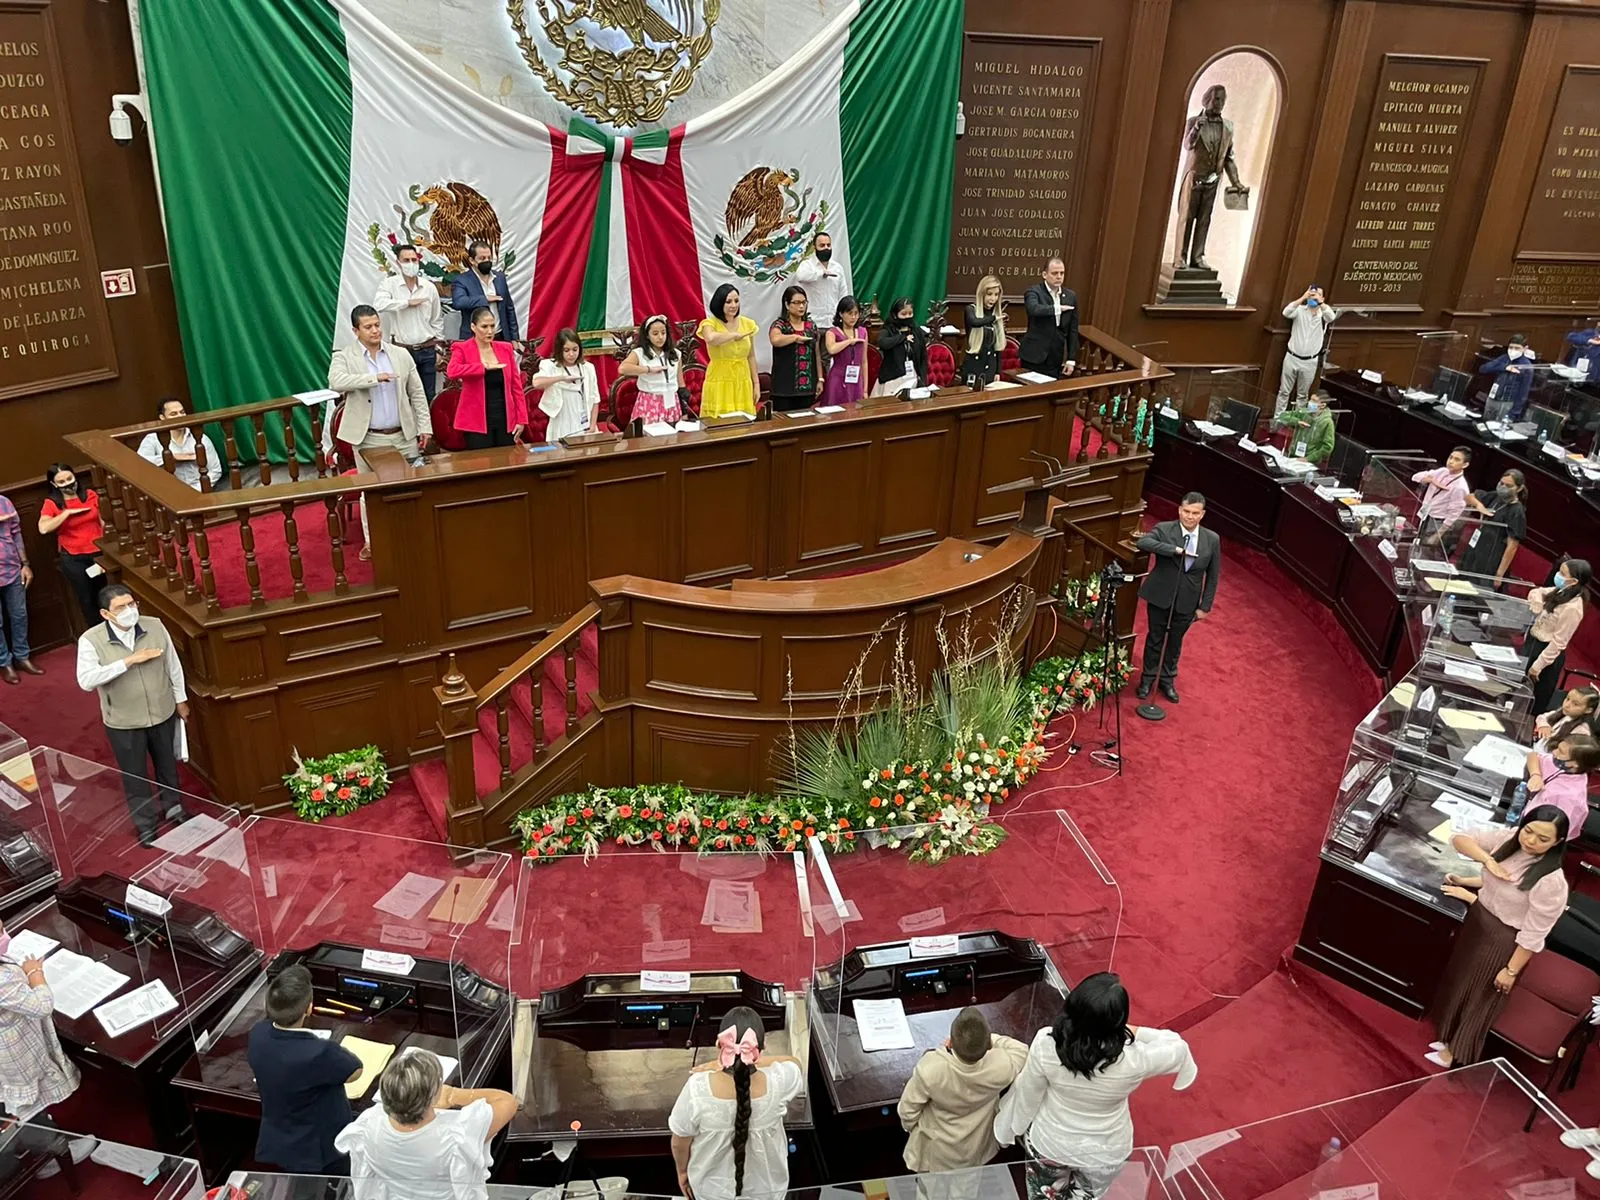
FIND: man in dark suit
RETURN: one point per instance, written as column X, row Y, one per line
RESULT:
column 1052, row 324
column 300, row 1078
column 481, row 286
column 1180, row 589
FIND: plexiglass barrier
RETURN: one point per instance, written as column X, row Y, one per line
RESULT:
column 28, row 854
column 1456, row 1136
column 407, row 943
column 1443, row 367
column 903, row 945
column 41, row 1159
column 1145, row 1176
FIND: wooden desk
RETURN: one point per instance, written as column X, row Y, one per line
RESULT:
column 141, row 1063
column 1242, row 496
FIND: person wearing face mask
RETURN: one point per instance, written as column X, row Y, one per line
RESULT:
column 71, row 511
column 1309, row 318
column 129, row 660
column 1583, row 350
column 904, row 346
column 412, row 315
column 481, row 286
column 1052, row 324
column 1180, row 589
column 569, row 391
column 825, row 278
column 1557, row 614
column 1494, row 542
column 34, row 1071
column 1560, row 776
column 1511, row 906
column 1312, row 429
column 1513, row 379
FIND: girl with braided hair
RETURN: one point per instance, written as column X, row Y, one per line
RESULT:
column 728, row 1139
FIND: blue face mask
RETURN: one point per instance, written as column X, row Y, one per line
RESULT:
column 1312, row 406
column 1313, row 302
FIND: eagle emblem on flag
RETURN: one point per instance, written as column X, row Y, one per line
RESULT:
column 441, row 221
column 767, row 225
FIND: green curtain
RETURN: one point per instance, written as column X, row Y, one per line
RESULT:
column 897, row 122
column 252, row 111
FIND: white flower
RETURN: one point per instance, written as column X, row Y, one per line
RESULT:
column 973, row 757
column 969, row 787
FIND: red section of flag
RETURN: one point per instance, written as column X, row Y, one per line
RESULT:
column 569, row 215
column 662, row 261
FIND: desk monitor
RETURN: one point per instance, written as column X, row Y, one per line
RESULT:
column 1349, row 460
column 1239, row 416
column 1451, row 385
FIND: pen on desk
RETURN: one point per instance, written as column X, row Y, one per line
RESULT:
column 328, row 1012
column 342, row 1004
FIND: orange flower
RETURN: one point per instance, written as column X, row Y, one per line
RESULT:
column 844, row 822
column 799, row 825
column 875, row 802
column 899, row 801
column 886, row 773
column 810, row 832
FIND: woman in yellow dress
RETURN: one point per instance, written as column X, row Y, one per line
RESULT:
column 731, row 384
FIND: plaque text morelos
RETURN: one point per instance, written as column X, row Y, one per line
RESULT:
column 53, row 328
column 1020, row 165
column 1420, row 117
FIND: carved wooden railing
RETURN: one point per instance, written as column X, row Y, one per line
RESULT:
column 459, row 709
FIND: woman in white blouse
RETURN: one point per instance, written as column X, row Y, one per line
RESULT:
column 728, row 1138
column 1070, row 1104
column 569, row 391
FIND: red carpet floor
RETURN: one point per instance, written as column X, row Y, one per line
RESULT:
column 1211, row 834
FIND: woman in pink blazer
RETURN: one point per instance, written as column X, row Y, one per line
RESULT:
column 492, row 410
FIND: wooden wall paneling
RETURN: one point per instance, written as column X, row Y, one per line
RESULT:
column 701, row 752
column 610, row 504
column 421, row 710
column 705, row 662
column 905, row 497
column 722, row 519
column 490, row 551
column 834, row 514
column 1143, row 60
column 1006, row 442
column 817, row 665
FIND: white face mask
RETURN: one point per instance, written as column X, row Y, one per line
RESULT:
column 409, row 269
column 1514, row 351
column 126, row 618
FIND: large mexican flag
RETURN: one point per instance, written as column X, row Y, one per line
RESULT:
column 300, row 141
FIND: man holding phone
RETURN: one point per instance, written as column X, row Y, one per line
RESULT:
column 1309, row 318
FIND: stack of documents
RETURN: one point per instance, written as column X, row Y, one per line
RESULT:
column 882, row 1025
column 136, row 1008
column 78, row 983
column 374, row 1057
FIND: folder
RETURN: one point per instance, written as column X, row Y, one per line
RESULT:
column 374, row 1057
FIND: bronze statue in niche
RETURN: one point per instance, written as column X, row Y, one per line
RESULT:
column 1208, row 149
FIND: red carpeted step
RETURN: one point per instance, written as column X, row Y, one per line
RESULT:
column 433, row 788
column 519, row 732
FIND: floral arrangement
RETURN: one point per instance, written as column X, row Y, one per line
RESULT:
column 337, row 784
column 921, row 778
column 1080, row 598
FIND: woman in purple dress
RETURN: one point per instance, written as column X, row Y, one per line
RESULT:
column 847, row 350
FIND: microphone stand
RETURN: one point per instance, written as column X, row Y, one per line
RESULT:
column 1112, row 580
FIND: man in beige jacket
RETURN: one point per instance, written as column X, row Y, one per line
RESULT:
column 949, row 1103
column 384, row 404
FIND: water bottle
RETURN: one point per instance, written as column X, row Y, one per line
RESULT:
column 1519, row 801
column 1331, row 1150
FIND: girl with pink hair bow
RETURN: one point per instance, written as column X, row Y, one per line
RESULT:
column 728, row 1138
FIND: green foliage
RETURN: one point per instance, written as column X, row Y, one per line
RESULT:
column 338, row 783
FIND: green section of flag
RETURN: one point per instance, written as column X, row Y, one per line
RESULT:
column 252, row 111
column 897, row 120
column 592, row 301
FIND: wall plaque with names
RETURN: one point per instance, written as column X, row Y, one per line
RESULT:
column 1421, row 114
column 1563, row 219
column 1019, row 167
column 1554, row 285
column 53, row 327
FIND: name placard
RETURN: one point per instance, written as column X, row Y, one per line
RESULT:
column 53, row 328
column 1420, row 118
column 1019, row 167
column 1563, row 218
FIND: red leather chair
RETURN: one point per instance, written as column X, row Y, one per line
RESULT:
column 344, row 455
column 1011, row 356
column 874, row 364
column 701, row 354
column 694, row 379
column 1547, row 1016
column 624, row 394
column 941, row 365
column 344, row 462
column 443, row 411
column 764, row 378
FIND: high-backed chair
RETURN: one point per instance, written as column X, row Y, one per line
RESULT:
column 1547, row 1017
column 941, row 365
column 443, row 414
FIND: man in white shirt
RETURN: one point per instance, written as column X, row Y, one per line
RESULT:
column 129, row 660
column 412, row 315
column 187, row 450
column 1309, row 318
column 826, row 282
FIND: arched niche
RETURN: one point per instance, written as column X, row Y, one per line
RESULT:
column 1254, row 88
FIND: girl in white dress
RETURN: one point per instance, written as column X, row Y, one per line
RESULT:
column 653, row 364
column 569, row 391
column 728, row 1138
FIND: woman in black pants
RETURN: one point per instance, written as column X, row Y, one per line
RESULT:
column 71, row 511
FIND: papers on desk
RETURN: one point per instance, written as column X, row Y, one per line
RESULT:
column 1494, row 654
column 688, row 426
column 1457, row 587
column 141, row 1164
column 406, row 898
column 387, row 962
column 500, row 919
column 139, row 1006
column 1000, row 385
column 659, row 429
column 1460, row 718
column 1472, row 672
column 147, row 901
column 920, row 393
column 1436, row 566
column 1418, row 396
column 935, row 945
column 825, row 409
column 319, row 396
column 1366, row 511
column 1034, row 377
column 1212, row 429
column 1336, row 493
column 374, row 1057
column 732, row 906
column 25, row 943
column 1403, row 693
column 1498, row 755
column 664, row 981
column 882, row 1025
column 78, row 982
column 191, row 835
column 1554, row 450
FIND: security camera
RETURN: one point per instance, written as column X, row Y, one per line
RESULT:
column 120, row 122
column 961, row 119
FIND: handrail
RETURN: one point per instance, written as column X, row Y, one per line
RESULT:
column 207, row 417
column 548, row 645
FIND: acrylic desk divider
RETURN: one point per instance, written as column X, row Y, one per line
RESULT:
column 400, row 939
column 1443, row 367
column 1459, row 622
column 111, row 912
column 1456, row 1136
column 1008, row 931
column 626, row 965
column 28, row 850
column 91, row 1166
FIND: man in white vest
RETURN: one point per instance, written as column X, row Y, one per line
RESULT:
column 129, row 660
